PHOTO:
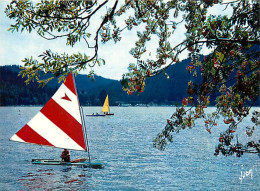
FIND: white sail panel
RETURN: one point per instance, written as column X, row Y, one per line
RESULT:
column 53, row 134
column 16, row 138
column 68, row 101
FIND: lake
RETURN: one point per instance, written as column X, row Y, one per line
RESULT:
column 124, row 143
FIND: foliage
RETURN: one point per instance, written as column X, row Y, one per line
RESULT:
column 231, row 70
column 52, row 20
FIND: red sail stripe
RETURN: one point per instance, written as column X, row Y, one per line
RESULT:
column 27, row 134
column 69, row 82
column 62, row 119
column 65, row 97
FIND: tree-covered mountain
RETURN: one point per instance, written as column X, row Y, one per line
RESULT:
column 158, row 90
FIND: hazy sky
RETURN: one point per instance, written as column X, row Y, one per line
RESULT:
column 17, row 46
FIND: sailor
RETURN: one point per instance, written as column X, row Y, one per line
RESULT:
column 65, row 155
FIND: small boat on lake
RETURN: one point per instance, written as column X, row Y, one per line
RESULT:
column 60, row 123
column 96, row 115
column 105, row 110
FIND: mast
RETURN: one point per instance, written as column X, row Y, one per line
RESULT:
column 108, row 104
column 85, row 132
column 83, row 122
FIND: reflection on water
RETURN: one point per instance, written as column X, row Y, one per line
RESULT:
column 49, row 179
column 66, row 169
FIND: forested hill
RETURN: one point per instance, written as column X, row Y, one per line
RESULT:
column 158, row 90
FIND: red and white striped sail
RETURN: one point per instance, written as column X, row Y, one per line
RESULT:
column 58, row 123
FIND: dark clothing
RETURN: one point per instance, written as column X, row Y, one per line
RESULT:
column 65, row 156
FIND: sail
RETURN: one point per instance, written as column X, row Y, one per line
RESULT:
column 106, row 105
column 58, row 123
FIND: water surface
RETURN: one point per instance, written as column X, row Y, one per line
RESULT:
column 124, row 143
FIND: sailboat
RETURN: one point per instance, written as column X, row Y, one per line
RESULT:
column 105, row 109
column 60, row 123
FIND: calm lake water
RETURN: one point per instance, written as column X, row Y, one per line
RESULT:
column 124, row 143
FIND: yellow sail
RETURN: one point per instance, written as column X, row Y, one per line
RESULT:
column 106, row 105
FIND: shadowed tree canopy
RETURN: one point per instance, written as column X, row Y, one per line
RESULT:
column 230, row 71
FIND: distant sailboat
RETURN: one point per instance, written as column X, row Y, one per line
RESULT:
column 59, row 124
column 105, row 110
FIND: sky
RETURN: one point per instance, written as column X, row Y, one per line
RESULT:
column 14, row 47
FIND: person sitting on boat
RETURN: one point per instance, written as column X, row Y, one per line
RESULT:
column 65, row 155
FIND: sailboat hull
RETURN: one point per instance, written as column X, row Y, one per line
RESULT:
column 110, row 114
column 96, row 165
column 96, row 115
column 99, row 115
